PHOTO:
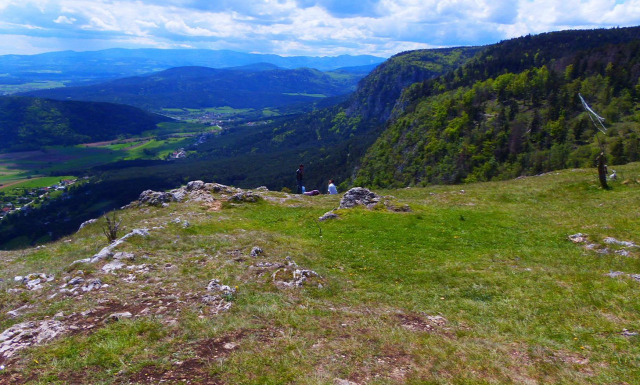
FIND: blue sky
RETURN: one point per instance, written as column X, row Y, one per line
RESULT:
column 294, row 27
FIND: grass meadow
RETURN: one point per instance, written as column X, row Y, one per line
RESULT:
column 477, row 284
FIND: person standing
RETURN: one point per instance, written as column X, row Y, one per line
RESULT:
column 299, row 178
column 332, row 187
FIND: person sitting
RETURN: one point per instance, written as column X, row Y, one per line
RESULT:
column 332, row 187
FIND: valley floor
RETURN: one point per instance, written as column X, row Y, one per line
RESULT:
column 531, row 281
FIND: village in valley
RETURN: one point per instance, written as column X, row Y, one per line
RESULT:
column 24, row 199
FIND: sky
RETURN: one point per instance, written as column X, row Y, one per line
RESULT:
column 294, row 27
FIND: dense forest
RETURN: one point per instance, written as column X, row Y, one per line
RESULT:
column 30, row 123
column 514, row 110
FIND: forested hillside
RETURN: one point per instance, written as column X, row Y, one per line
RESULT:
column 202, row 87
column 515, row 110
column 29, row 123
column 330, row 141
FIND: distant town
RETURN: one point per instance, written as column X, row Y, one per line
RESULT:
column 24, row 199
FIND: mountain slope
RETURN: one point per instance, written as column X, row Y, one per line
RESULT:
column 28, row 123
column 202, row 87
column 514, row 110
column 329, row 141
column 522, row 281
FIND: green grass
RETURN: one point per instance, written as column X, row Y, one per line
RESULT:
column 22, row 165
column 521, row 303
column 38, row 182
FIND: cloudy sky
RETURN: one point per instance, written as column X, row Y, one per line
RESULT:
column 293, row 27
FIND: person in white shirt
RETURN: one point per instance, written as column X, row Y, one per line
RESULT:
column 332, row 187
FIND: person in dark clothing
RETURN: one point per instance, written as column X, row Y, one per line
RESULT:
column 299, row 178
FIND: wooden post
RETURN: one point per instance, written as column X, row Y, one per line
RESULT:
column 602, row 171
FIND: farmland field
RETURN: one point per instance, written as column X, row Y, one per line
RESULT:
column 157, row 144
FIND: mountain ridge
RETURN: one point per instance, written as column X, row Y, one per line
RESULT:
column 204, row 87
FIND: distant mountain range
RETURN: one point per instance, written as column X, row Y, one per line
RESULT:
column 258, row 85
column 92, row 66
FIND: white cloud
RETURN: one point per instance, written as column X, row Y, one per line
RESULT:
column 381, row 27
column 64, row 20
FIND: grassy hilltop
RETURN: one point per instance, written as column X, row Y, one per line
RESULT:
column 473, row 286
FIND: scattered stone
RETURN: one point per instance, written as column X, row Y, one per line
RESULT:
column 245, row 196
column 155, row 198
column 121, row 255
column 628, row 333
column 113, row 266
column 292, row 276
column 230, row 345
column 262, row 189
column 613, row 241
column 578, row 238
column 34, row 284
column 614, row 274
column 87, row 223
column 76, row 281
column 359, row 196
column 216, row 303
column 392, row 206
column 119, row 316
column 623, row 253
column 94, row 284
column 328, row 215
column 219, row 188
column 635, row 276
column 215, row 286
column 17, row 312
column 195, row 185
column 58, row 316
column 28, row 333
column 256, row 251
column 107, row 252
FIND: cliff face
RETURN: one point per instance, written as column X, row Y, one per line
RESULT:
column 514, row 110
column 377, row 94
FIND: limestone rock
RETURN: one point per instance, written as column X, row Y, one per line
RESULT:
column 86, row 223
column 292, row 276
column 328, row 215
column 256, row 251
column 121, row 255
column 28, row 333
column 119, row 316
column 215, row 286
column 107, row 252
column 195, row 185
column 155, row 198
column 359, row 196
column 245, row 196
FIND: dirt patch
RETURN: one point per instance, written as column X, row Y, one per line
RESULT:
column 213, row 206
column 194, row 369
column 395, row 367
column 191, row 371
column 13, row 377
column 422, row 323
